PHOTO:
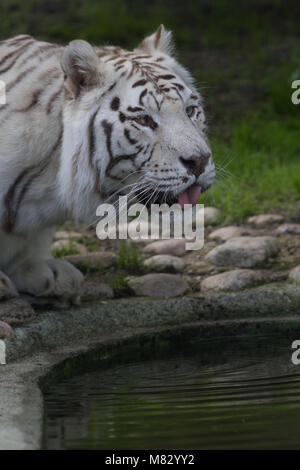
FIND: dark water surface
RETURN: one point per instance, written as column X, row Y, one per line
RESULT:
column 233, row 394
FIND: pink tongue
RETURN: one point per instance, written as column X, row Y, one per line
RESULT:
column 189, row 196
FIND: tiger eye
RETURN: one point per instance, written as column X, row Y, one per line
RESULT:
column 144, row 120
column 147, row 121
column 190, row 111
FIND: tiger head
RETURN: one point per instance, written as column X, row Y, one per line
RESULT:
column 133, row 125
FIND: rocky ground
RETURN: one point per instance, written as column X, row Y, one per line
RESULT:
column 264, row 250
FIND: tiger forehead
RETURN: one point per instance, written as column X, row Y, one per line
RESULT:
column 146, row 67
column 115, row 53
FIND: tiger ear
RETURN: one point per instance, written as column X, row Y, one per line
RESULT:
column 160, row 41
column 80, row 65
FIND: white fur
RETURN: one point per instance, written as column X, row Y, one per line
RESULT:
column 66, row 180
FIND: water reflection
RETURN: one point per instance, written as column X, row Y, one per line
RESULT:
column 229, row 394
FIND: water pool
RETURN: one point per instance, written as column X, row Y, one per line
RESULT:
column 238, row 393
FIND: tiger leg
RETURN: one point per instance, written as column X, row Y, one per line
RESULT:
column 38, row 274
column 7, row 291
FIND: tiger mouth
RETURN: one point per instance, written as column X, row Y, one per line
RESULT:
column 188, row 196
column 152, row 197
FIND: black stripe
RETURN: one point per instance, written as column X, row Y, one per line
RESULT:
column 15, row 51
column 32, row 172
column 17, row 39
column 135, row 109
column 154, row 97
column 139, row 83
column 142, row 57
column 91, row 138
column 142, row 96
column 15, row 56
column 128, row 137
column 175, row 89
column 39, row 51
column 19, row 78
column 52, row 99
column 179, row 86
column 166, row 77
column 50, row 75
column 34, row 101
column 113, row 160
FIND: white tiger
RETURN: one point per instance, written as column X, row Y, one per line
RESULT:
column 81, row 124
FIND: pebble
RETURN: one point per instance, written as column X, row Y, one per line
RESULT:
column 158, row 285
column 225, row 233
column 293, row 229
column 237, row 279
column 265, row 219
column 15, row 311
column 165, row 262
column 166, row 247
column 211, row 215
column 94, row 260
column 94, row 289
column 294, row 274
column 6, row 331
column 244, row 252
column 7, row 288
column 64, row 235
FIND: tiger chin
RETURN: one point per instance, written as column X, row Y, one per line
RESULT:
column 83, row 125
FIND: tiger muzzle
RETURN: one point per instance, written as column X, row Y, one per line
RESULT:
column 195, row 164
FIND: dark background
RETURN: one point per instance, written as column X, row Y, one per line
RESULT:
column 244, row 55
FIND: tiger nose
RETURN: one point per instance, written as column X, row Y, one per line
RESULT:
column 196, row 164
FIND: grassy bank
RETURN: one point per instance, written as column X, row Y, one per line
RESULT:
column 261, row 165
column 244, row 56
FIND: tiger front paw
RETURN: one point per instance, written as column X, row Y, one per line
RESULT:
column 49, row 278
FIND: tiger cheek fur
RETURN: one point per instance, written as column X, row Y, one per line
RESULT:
column 83, row 125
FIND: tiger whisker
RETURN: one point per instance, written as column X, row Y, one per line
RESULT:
column 114, row 204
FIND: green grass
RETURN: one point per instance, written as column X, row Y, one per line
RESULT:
column 120, row 286
column 262, row 167
column 69, row 249
column 90, row 243
column 260, row 153
column 129, row 258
